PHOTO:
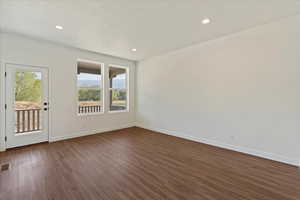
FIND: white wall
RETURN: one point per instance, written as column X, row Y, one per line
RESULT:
column 63, row 92
column 240, row 92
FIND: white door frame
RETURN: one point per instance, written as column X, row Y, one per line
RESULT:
column 3, row 120
column 2, row 109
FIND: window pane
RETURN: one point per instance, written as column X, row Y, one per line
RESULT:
column 118, row 99
column 28, row 101
column 89, row 84
column 118, row 88
column 117, row 77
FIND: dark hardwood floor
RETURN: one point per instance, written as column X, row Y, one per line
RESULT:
column 140, row 164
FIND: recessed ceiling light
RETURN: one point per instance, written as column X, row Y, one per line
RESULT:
column 206, row 21
column 133, row 50
column 59, row 27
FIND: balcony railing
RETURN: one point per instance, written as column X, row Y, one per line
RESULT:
column 28, row 120
column 88, row 109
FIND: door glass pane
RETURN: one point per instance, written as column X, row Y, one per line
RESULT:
column 28, row 101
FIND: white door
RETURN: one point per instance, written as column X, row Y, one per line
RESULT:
column 26, row 105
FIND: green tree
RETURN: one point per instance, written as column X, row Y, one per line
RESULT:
column 115, row 95
column 89, row 94
column 118, row 95
column 28, row 86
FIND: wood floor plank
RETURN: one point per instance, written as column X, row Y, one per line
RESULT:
column 139, row 164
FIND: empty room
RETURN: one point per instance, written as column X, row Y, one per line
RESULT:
column 149, row 100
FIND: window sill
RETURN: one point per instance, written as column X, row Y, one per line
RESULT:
column 118, row 111
column 89, row 114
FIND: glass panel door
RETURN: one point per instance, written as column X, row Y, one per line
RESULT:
column 27, row 105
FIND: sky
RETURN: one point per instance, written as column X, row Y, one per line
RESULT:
column 85, row 76
column 85, row 79
column 38, row 75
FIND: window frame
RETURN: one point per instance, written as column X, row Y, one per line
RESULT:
column 102, row 89
column 126, row 88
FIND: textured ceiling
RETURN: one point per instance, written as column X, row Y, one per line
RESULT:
column 153, row 27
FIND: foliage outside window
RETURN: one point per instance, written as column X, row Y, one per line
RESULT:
column 89, row 85
column 28, row 101
column 118, row 89
column 28, row 90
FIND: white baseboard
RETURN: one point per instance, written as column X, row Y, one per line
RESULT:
column 89, row 132
column 270, row 156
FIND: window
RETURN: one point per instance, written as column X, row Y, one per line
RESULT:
column 90, row 87
column 118, row 88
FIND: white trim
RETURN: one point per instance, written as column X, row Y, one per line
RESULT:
column 2, row 104
column 118, row 111
column 266, row 155
column 90, row 132
column 90, row 114
column 28, row 65
column 50, row 98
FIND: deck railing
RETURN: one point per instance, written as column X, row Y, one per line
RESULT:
column 28, row 120
column 88, row 109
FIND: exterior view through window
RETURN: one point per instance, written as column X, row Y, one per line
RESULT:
column 28, row 101
column 118, row 88
column 90, row 87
